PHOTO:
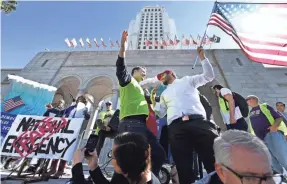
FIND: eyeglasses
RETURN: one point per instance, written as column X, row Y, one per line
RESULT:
column 271, row 179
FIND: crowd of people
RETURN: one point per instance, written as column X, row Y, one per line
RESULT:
column 253, row 149
column 235, row 156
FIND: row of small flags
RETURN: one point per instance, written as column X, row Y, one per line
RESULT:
column 186, row 41
column 73, row 43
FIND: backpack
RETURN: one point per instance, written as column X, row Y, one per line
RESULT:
column 239, row 102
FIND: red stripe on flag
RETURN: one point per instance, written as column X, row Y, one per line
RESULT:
column 224, row 25
column 256, row 59
column 276, row 5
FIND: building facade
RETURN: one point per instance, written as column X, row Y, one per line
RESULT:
column 94, row 74
column 5, row 83
column 151, row 23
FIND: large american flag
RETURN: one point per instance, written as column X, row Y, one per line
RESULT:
column 13, row 103
column 259, row 29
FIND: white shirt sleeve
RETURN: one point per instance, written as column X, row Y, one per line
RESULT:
column 150, row 82
column 225, row 91
column 160, row 108
column 205, row 77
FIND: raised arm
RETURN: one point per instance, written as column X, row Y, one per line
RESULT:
column 122, row 73
column 150, row 83
column 160, row 107
column 208, row 73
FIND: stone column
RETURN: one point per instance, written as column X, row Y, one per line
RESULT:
column 115, row 98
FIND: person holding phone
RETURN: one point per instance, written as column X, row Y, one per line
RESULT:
column 131, row 169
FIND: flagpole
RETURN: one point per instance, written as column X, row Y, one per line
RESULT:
column 204, row 34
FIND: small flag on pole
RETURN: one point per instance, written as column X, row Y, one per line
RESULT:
column 103, row 43
column 192, row 41
column 111, row 42
column 156, row 43
column 170, row 42
column 206, row 40
column 147, row 42
column 13, row 103
column 176, row 41
column 97, row 45
column 81, row 42
column 74, row 43
column 163, row 42
column 68, row 42
column 215, row 39
column 185, row 41
column 118, row 44
column 88, row 42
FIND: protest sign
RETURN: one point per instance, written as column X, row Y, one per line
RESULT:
column 42, row 137
column 6, row 123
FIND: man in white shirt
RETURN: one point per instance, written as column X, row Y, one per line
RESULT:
column 187, row 129
column 231, row 114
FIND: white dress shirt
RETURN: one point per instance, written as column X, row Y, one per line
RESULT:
column 150, row 83
column 181, row 97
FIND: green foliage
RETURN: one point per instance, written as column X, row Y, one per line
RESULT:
column 8, row 6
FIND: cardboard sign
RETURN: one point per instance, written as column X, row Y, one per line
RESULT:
column 42, row 137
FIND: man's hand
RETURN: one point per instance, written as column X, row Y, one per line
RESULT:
column 124, row 41
column 201, row 54
column 153, row 94
column 49, row 106
column 93, row 160
column 79, row 156
column 273, row 128
column 232, row 120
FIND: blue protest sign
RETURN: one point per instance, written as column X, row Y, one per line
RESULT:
column 6, row 122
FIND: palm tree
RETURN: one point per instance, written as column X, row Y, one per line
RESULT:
column 8, row 6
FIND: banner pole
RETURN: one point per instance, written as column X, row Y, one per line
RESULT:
column 204, row 34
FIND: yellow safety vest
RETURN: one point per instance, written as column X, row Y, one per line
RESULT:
column 222, row 105
column 263, row 107
column 102, row 117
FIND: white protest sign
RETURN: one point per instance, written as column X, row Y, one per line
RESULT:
column 42, row 137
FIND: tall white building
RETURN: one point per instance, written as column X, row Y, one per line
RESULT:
column 154, row 24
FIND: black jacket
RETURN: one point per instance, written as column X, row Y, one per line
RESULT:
column 57, row 112
column 98, row 177
column 206, row 105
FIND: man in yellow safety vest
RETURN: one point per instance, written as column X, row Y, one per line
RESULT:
column 267, row 124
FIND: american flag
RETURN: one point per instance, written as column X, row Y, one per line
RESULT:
column 176, row 40
column 185, row 41
column 260, row 30
column 13, row 103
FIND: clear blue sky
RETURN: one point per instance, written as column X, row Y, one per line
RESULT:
column 39, row 25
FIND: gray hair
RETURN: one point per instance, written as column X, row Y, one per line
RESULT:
column 223, row 144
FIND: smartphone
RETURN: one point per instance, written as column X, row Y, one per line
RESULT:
column 91, row 144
